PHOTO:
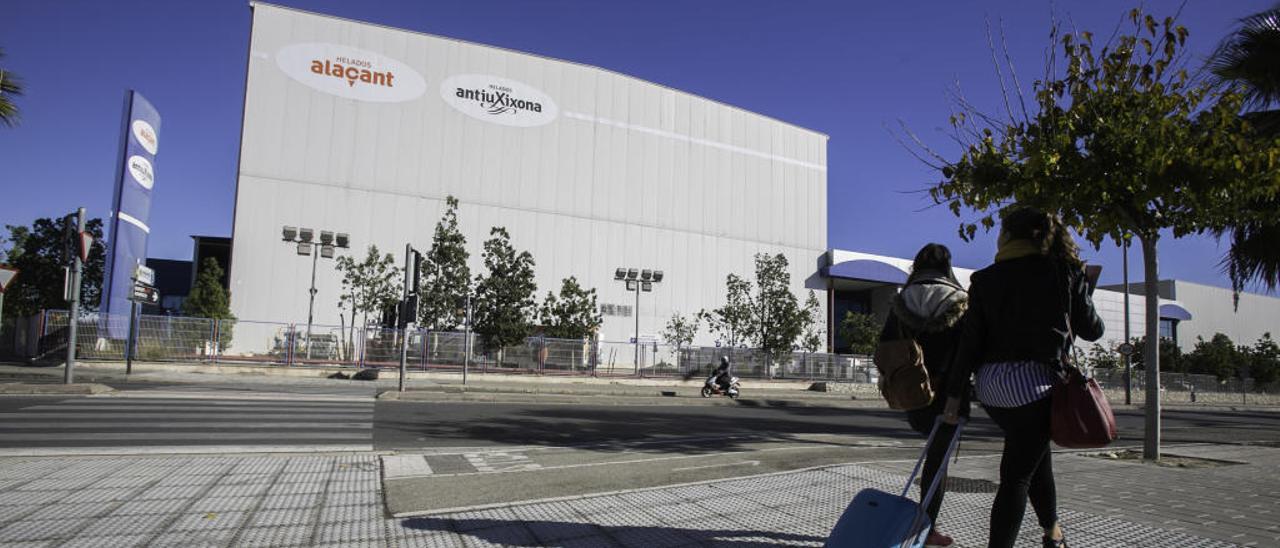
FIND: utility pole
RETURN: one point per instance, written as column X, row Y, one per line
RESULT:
column 73, row 293
column 311, row 307
column 1128, row 374
column 408, row 307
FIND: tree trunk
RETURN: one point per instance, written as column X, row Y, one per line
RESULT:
column 1151, row 359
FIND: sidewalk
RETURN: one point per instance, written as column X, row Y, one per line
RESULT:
column 336, row 500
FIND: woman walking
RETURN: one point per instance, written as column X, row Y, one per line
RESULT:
column 928, row 309
column 1023, row 312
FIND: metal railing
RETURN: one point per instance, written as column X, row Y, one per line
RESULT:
column 210, row 341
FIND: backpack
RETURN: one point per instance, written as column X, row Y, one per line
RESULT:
column 904, row 381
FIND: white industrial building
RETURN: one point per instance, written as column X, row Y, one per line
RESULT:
column 362, row 129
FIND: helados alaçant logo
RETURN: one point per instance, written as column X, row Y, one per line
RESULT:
column 349, row 72
column 498, row 100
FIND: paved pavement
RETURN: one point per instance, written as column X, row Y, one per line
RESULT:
column 273, row 500
column 184, row 420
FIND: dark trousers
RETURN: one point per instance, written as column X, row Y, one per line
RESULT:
column 922, row 421
column 1026, row 471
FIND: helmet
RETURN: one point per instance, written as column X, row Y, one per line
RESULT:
column 724, row 360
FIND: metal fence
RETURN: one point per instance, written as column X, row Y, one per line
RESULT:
column 203, row 340
column 1188, row 388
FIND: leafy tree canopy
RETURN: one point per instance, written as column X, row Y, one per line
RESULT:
column 574, row 314
column 39, row 252
column 369, row 286
column 504, row 302
column 861, row 331
column 446, row 279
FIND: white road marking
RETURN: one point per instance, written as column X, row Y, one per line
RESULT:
column 405, row 466
column 180, row 449
column 739, row 463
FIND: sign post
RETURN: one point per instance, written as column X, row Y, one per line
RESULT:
column 77, row 269
column 143, row 292
column 7, row 275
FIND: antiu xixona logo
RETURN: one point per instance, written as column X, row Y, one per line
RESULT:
column 498, row 100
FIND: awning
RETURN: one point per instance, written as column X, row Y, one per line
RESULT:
column 1174, row 311
column 868, row 270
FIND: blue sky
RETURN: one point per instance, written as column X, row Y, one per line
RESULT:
column 852, row 70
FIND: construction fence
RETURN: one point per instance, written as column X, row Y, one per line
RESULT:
column 209, row 341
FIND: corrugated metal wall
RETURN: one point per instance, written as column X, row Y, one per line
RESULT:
column 628, row 173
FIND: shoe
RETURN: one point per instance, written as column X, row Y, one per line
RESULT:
column 938, row 540
column 1050, row 543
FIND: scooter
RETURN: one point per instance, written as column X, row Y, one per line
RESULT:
column 713, row 388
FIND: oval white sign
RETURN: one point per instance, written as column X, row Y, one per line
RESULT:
column 140, row 170
column 498, row 100
column 351, row 73
column 146, row 136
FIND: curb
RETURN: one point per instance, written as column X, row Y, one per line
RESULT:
column 595, row 399
column 78, row 389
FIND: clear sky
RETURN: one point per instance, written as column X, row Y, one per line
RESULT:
column 849, row 69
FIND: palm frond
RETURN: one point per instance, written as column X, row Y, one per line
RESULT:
column 10, row 86
column 1247, row 58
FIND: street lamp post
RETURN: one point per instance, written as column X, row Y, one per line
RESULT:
column 638, row 280
column 328, row 242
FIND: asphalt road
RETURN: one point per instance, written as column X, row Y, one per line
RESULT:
column 481, row 454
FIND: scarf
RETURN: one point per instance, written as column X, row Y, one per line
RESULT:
column 1015, row 249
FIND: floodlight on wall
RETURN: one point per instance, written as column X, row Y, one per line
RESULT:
column 620, row 274
column 306, row 234
column 304, row 248
column 631, row 285
column 657, row 275
column 632, row 273
column 290, row 233
column 342, row 239
column 646, row 274
column 326, row 251
column 326, row 237
column 646, row 286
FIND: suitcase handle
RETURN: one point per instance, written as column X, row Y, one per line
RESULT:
column 946, row 460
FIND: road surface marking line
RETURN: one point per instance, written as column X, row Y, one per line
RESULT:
column 608, row 463
column 289, row 396
column 337, row 417
column 405, row 466
column 187, row 436
column 149, row 425
column 747, row 462
column 179, row 449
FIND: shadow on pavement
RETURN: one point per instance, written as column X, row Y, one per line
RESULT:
column 645, row 429
column 555, row 533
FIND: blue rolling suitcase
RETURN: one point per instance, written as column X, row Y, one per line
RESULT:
column 876, row 519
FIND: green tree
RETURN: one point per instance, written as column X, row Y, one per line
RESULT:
column 10, row 87
column 574, row 314
column 1099, row 357
column 369, row 286
column 680, row 331
column 1264, row 362
column 1119, row 142
column 1171, row 357
column 504, row 301
column 40, row 252
column 1217, row 356
column 446, row 279
column 732, row 321
column 208, row 299
column 1246, row 61
column 778, row 320
column 814, row 337
column 861, row 331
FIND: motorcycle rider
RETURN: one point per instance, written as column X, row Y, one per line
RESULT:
column 721, row 375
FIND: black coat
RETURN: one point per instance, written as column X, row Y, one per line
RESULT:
column 1018, row 310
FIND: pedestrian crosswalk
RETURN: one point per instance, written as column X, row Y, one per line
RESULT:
column 189, row 421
